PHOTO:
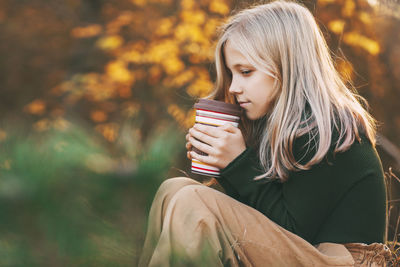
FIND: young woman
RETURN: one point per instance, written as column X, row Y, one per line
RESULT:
column 303, row 184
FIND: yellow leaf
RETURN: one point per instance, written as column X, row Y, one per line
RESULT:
column 187, row 4
column 193, row 48
column 195, row 59
column 177, row 113
column 219, row 7
column 211, row 26
column 195, row 17
column 365, row 18
column 63, row 87
column 200, row 88
column 190, row 32
column 132, row 56
column 108, row 130
column 125, row 18
column 98, row 87
column 130, row 109
column 86, row 32
column 190, row 119
column 161, row 1
column 110, row 42
column 348, row 8
column 139, row 2
column 160, row 50
column 182, row 78
column 98, row 116
column 336, row 26
column 185, row 120
column 165, row 27
column 173, row 65
column 356, row 39
column 36, row 107
column 118, row 72
column 114, row 27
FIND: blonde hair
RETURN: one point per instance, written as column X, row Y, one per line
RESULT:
column 283, row 40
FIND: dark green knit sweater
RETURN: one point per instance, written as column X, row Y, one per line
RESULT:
column 342, row 199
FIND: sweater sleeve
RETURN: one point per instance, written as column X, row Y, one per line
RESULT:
column 237, row 177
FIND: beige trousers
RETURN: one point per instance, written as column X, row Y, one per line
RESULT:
column 191, row 224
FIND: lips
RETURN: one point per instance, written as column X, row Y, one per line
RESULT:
column 243, row 104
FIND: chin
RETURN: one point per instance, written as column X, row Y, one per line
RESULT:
column 253, row 116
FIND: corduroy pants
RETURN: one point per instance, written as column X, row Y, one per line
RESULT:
column 191, row 224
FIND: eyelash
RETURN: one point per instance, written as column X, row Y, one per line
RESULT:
column 245, row 72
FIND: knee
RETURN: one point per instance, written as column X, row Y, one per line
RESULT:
column 172, row 185
column 176, row 182
column 186, row 200
column 191, row 195
column 190, row 205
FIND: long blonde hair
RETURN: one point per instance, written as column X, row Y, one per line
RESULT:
column 283, row 40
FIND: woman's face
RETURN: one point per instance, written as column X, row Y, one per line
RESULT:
column 252, row 88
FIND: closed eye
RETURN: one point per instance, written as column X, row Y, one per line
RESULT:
column 245, row 72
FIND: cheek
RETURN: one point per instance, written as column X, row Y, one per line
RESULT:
column 266, row 106
column 259, row 109
column 267, row 101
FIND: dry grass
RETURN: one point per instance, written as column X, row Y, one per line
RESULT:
column 393, row 210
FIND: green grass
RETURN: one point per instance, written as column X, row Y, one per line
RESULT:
column 67, row 199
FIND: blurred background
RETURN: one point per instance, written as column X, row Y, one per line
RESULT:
column 95, row 101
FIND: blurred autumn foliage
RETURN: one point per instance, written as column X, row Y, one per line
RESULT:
column 105, row 89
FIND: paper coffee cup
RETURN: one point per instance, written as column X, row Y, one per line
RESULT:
column 213, row 113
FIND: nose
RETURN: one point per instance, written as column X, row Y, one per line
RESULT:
column 235, row 88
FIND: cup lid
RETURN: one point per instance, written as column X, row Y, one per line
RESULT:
column 218, row 106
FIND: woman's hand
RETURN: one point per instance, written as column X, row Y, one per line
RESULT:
column 222, row 144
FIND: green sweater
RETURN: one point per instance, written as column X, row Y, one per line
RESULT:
column 342, row 199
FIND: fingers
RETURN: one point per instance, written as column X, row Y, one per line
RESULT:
column 209, row 130
column 216, row 131
column 188, row 146
column 214, row 141
column 201, row 158
column 202, row 136
column 201, row 146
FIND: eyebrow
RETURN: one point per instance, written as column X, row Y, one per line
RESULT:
column 239, row 65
